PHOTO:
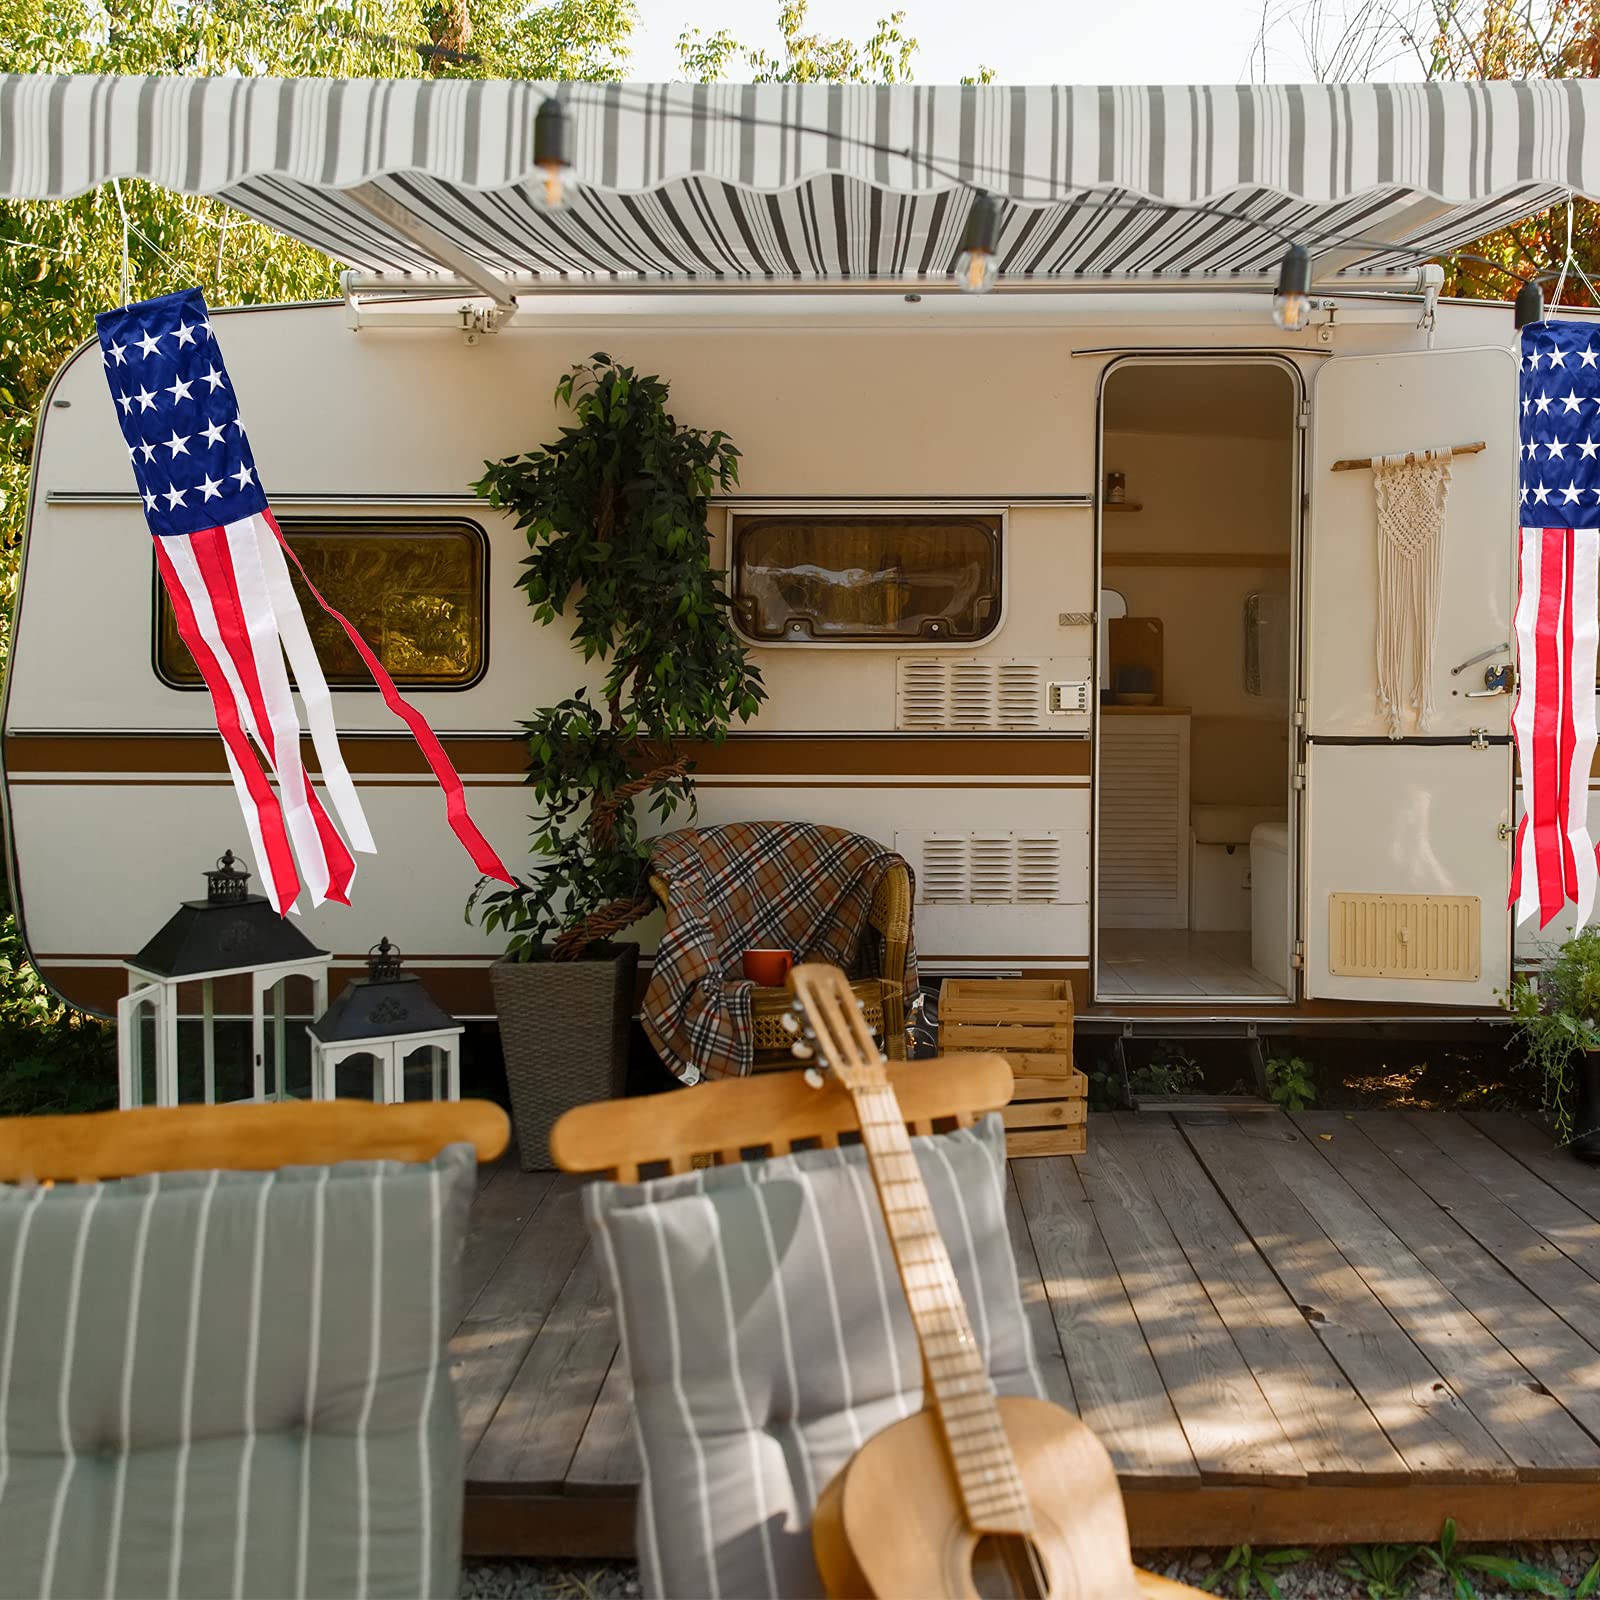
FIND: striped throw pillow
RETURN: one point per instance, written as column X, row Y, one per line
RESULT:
column 767, row 1338
column 232, row 1383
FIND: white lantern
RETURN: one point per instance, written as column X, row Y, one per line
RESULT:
column 229, row 934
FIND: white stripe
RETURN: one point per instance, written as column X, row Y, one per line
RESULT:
column 757, row 1477
column 313, row 687
column 1585, row 639
column 130, row 1353
column 1523, row 713
column 186, row 1414
column 374, row 1362
column 313, row 1364
column 804, row 1178
column 13, row 1301
column 187, row 571
column 979, row 1293
column 875, row 1229
column 69, row 1342
column 675, row 1349
column 267, row 653
column 252, row 1373
column 650, row 1555
column 424, row 1422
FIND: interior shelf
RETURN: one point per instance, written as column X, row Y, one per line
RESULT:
column 1194, row 558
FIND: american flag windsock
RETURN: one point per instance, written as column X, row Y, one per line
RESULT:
column 222, row 559
column 1558, row 619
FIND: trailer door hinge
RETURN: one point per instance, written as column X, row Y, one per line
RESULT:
column 1302, row 418
column 1300, row 775
column 1298, row 960
column 1300, row 714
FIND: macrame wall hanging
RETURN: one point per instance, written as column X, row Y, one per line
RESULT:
column 1412, row 490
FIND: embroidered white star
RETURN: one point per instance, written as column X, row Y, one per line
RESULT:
column 213, row 380
column 1589, row 357
column 147, row 400
column 178, row 389
column 213, row 432
column 1533, row 361
column 126, row 403
column 1524, row 494
column 1556, row 448
column 178, row 444
column 150, row 343
column 244, row 475
column 1590, row 449
column 1571, row 400
column 149, row 451
column 211, row 487
column 174, row 497
column 1570, row 495
column 203, row 327
column 1556, row 359
column 149, row 499
column 185, row 335
column 1540, row 494
column 1526, row 402
column 118, row 353
column 1542, row 404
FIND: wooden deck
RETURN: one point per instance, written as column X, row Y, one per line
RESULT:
column 1311, row 1329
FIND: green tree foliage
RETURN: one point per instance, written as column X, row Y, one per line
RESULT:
column 884, row 56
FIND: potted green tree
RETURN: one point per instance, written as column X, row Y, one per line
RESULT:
column 615, row 512
column 1557, row 1016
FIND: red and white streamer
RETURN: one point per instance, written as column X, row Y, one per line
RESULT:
column 1553, row 723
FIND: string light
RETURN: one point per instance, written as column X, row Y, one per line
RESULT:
column 550, row 152
column 976, row 267
column 1291, row 301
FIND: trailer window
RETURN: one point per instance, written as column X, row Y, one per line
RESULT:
column 415, row 591
column 811, row 577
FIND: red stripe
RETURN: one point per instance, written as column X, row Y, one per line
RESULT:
column 1516, row 859
column 455, row 798
column 215, row 562
column 1546, row 729
column 269, row 814
column 1569, row 732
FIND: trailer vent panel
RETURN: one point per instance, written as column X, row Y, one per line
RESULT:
column 1405, row 936
column 950, row 694
column 973, row 869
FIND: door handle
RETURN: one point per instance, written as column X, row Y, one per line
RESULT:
column 1496, row 680
column 1482, row 655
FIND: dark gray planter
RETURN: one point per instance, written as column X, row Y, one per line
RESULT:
column 564, row 1031
column 1586, row 1108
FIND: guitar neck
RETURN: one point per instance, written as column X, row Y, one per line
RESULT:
column 956, row 1377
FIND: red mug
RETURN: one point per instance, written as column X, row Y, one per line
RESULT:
column 769, row 968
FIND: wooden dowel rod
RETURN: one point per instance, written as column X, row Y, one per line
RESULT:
column 1368, row 461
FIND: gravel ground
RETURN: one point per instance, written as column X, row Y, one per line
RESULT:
column 1317, row 1578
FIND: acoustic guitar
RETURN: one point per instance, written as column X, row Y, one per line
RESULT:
column 977, row 1495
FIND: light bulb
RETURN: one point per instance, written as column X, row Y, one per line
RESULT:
column 976, row 271
column 550, row 146
column 1291, row 303
column 977, row 266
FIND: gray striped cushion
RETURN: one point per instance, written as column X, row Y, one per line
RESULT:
column 232, row 1383
column 767, row 1338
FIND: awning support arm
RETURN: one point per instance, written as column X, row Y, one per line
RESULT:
column 414, row 230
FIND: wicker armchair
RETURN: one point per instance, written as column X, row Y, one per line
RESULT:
column 884, row 997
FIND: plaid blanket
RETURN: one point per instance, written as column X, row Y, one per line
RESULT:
column 752, row 886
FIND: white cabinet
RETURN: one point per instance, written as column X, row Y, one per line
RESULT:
column 1143, row 773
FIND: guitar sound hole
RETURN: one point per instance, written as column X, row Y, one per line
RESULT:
column 1007, row 1566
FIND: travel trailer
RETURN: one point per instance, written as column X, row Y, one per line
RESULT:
column 1067, row 591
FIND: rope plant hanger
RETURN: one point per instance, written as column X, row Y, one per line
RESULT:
column 1411, row 490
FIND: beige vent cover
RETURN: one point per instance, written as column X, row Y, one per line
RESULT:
column 960, row 693
column 971, row 869
column 1405, row 936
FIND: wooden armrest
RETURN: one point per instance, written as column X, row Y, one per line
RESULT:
column 241, row 1138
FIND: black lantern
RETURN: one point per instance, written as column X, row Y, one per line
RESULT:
column 389, row 1016
column 550, row 151
column 231, row 933
column 1530, row 304
column 976, row 265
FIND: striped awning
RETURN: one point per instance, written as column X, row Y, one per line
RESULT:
column 822, row 183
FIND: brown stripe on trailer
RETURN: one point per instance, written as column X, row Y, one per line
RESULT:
column 754, row 755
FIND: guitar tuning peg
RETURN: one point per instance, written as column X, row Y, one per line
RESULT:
column 801, row 1051
column 813, row 1077
column 789, row 1022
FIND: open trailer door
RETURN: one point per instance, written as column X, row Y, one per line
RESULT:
column 1406, row 858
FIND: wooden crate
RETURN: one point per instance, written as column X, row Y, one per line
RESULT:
column 1029, row 1022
